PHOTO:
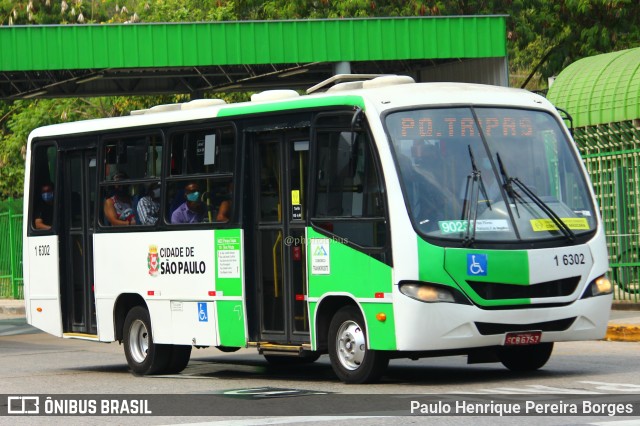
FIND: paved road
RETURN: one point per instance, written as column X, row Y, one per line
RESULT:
column 16, row 325
column 36, row 363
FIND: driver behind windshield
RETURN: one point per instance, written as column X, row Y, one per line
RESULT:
column 423, row 176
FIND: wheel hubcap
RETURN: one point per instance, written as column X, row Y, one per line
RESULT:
column 351, row 345
column 139, row 341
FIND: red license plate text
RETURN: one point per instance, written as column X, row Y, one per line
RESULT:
column 523, row 338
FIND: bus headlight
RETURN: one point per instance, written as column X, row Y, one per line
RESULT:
column 599, row 286
column 431, row 293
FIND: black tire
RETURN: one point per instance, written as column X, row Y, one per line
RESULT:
column 281, row 360
column 350, row 358
column 179, row 358
column 525, row 358
column 143, row 355
column 227, row 349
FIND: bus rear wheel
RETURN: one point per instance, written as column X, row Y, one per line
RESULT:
column 350, row 358
column 143, row 355
column 525, row 358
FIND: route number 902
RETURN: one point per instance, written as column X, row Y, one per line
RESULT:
column 569, row 259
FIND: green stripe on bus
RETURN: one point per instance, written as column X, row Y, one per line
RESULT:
column 431, row 264
column 296, row 103
column 231, row 323
column 312, row 323
column 503, row 267
column 382, row 334
column 228, row 261
column 349, row 271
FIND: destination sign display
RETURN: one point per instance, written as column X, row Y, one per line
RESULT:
column 439, row 126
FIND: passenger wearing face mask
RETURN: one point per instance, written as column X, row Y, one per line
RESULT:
column 117, row 208
column 191, row 211
column 149, row 205
column 44, row 212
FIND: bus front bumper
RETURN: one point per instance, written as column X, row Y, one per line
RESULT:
column 441, row 326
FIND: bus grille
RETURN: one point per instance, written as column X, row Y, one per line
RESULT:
column 489, row 328
column 499, row 291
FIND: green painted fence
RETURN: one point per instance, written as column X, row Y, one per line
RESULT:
column 611, row 153
column 11, row 282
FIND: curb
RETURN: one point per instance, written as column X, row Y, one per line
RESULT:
column 623, row 333
column 12, row 310
column 625, row 306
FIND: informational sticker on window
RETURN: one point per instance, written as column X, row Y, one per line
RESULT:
column 228, row 253
column 295, row 197
column 455, row 226
column 320, row 257
column 209, row 149
column 296, row 212
column 541, row 225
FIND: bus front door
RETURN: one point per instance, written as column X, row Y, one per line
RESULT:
column 280, row 179
column 76, row 279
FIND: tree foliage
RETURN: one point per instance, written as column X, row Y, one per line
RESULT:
column 542, row 35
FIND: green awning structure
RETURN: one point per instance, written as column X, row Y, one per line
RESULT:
column 600, row 89
column 252, row 42
column 84, row 60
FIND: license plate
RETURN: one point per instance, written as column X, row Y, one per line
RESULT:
column 523, row 338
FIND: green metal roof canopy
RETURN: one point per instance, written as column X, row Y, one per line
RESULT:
column 217, row 55
column 600, row 89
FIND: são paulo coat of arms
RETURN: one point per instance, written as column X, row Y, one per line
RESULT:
column 153, row 261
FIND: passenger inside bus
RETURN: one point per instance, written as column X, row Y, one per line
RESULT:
column 117, row 208
column 44, row 208
column 224, row 211
column 149, row 206
column 191, row 210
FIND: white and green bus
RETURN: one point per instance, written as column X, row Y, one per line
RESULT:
column 370, row 220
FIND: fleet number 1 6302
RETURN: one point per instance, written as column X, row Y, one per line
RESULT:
column 569, row 259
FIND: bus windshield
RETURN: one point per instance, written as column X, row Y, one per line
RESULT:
column 489, row 174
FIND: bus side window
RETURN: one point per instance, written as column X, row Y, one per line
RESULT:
column 199, row 201
column 129, row 155
column 349, row 187
column 200, row 182
column 43, row 188
column 132, row 166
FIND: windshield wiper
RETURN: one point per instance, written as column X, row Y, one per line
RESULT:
column 507, row 184
column 508, row 187
column 469, row 210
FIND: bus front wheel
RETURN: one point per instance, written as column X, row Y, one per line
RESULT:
column 350, row 358
column 525, row 358
column 143, row 355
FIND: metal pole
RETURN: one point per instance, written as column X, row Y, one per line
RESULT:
column 12, row 257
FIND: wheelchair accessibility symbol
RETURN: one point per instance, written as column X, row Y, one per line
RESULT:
column 202, row 312
column 477, row 264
